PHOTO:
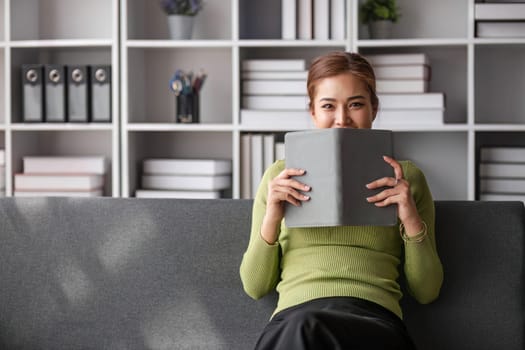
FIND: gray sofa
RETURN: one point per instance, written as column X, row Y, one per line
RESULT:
column 163, row 274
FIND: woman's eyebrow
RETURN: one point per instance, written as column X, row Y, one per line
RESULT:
column 330, row 99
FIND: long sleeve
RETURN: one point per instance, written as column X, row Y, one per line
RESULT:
column 423, row 269
column 260, row 264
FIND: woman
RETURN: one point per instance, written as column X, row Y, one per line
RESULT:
column 337, row 285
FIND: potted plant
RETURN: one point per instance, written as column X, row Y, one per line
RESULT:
column 379, row 15
column 181, row 14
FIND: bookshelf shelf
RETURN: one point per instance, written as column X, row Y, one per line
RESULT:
column 481, row 77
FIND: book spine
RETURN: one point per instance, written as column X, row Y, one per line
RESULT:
column 288, row 19
column 275, row 102
column 275, row 65
column 304, row 19
column 401, row 86
column 398, row 59
column 321, row 17
column 499, row 11
column 337, row 19
column 246, row 174
column 503, row 154
column 274, row 87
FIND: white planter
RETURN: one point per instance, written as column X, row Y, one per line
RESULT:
column 181, row 27
column 380, row 29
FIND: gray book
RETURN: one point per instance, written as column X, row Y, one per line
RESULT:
column 339, row 163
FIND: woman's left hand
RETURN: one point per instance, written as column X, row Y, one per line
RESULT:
column 398, row 193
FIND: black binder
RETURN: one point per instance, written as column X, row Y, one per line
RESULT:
column 55, row 90
column 33, row 98
column 78, row 94
column 101, row 93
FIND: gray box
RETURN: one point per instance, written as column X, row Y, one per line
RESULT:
column 101, row 93
column 55, row 90
column 33, row 97
column 78, row 94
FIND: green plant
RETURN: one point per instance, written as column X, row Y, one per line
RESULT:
column 181, row 7
column 377, row 10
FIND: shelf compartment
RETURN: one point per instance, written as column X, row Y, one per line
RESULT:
column 63, row 143
column 149, row 99
column 498, row 86
column 63, row 19
column 441, row 156
column 495, row 139
column 428, row 19
column 56, row 55
column 145, row 20
column 187, row 145
column 448, row 75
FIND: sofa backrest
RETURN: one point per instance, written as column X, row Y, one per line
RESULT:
column 111, row 273
column 482, row 300
column 125, row 274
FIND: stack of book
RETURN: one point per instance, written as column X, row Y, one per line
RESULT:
column 61, row 177
column 495, row 19
column 402, row 87
column 2, row 173
column 274, row 94
column 185, row 178
column 502, row 174
column 313, row 19
column 258, row 152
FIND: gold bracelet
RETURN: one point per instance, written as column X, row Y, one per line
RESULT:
column 418, row 238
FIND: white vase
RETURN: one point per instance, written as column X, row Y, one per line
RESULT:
column 181, row 27
column 380, row 29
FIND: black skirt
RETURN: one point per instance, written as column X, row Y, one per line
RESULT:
column 335, row 323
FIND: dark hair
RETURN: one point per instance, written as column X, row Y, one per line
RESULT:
column 340, row 62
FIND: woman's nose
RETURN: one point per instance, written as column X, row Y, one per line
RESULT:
column 342, row 119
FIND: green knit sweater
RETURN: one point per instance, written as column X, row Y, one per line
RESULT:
column 357, row 261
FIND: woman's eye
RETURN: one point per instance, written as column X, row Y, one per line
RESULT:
column 355, row 105
column 327, row 106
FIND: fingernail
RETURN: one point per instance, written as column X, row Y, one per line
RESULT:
column 367, row 185
column 307, row 188
column 306, row 197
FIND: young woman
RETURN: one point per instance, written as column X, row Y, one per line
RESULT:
column 338, row 286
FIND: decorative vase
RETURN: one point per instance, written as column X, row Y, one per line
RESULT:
column 181, row 26
column 380, row 29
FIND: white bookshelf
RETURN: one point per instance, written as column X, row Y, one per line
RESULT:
column 481, row 78
column 62, row 32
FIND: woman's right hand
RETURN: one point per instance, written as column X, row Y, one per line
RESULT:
column 282, row 188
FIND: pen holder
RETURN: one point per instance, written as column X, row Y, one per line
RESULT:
column 187, row 108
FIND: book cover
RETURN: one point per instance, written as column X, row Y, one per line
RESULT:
column 286, row 119
column 409, row 71
column 337, row 19
column 65, row 165
column 502, row 197
column 502, row 170
column 502, row 11
column 304, row 19
column 187, row 166
column 339, row 163
column 410, row 117
column 269, row 150
column 429, row 100
column 512, row 186
column 177, row 194
column 2, row 157
column 288, row 19
column 246, row 172
column 500, row 29
column 321, row 19
column 257, row 161
column 275, row 102
column 274, row 87
column 279, row 151
column 273, row 65
column 502, row 154
column 27, row 193
column 186, row 182
column 397, row 59
column 275, row 75
column 58, row 182
column 401, row 86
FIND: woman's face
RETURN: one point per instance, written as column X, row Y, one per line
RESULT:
column 342, row 101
